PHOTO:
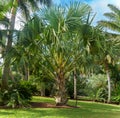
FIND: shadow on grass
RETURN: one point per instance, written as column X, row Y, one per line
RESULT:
column 4, row 113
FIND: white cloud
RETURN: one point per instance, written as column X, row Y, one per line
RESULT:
column 100, row 7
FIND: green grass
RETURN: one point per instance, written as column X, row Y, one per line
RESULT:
column 85, row 110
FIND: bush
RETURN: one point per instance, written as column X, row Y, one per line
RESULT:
column 96, row 87
column 26, row 90
column 116, row 93
column 13, row 99
column 18, row 95
column 116, row 99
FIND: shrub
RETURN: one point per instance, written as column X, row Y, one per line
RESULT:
column 116, row 99
column 13, row 99
column 26, row 89
column 18, row 95
column 116, row 93
column 96, row 87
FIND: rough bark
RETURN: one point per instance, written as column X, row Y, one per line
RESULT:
column 61, row 95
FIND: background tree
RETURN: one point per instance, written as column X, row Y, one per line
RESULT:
column 14, row 6
column 113, row 24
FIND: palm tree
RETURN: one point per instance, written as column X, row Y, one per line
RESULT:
column 70, row 41
column 61, row 42
column 59, row 51
column 113, row 24
column 14, row 6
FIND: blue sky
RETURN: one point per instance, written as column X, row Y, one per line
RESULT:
column 67, row 1
column 99, row 6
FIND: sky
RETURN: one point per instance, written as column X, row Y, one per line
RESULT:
column 99, row 6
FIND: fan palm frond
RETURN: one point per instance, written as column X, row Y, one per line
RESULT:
column 111, row 25
column 114, row 19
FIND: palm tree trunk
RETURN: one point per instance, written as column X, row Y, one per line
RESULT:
column 109, row 86
column 6, row 69
column 26, row 69
column 61, row 96
column 108, row 80
column 42, row 89
column 75, row 84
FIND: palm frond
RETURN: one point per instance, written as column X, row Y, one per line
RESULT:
column 24, row 9
column 77, row 9
column 111, row 15
column 114, row 19
column 46, row 2
column 4, row 21
column 90, row 18
column 114, row 8
column 77, row 13
column 111, row 25
column 54, row 16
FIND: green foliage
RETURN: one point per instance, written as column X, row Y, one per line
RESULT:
column 116, row 99
column 0, row 75
column 0, row 72
column 42, row 82
column 116, row 93
column 26, row 89
column 13, row 99
column 96, row 87
column 116, row 90
column 101, row 94
column 115, row 76
column 18, row 95
column 81, row 83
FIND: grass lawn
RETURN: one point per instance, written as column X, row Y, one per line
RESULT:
column 85, row 110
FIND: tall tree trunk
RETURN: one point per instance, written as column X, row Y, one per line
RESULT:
column 26, row 69
column 61, row 95
column 6, row 69
column 75, row 84
column 109, row 86
column 42, row 89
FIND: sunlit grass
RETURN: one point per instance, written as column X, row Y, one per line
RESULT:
column 85, row 110
column 43, row 99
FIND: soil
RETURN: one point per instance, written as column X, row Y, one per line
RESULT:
column 48, row 105
column 41, row 105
